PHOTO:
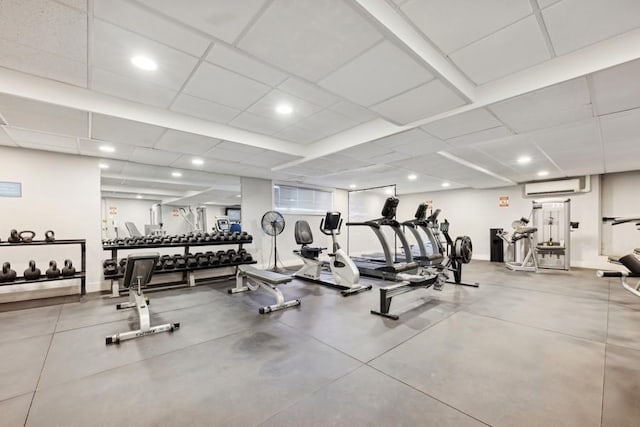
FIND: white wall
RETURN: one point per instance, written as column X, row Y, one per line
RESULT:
column 125, row 210
column 620, row 198
column 473, row 212
column 59, row 192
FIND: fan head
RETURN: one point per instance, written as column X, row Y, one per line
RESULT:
column 272, row 223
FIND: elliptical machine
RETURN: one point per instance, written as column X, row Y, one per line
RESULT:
column 345, row 273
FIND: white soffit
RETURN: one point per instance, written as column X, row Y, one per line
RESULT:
column 462, row 124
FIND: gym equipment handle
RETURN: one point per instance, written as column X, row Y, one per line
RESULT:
column 610, row 273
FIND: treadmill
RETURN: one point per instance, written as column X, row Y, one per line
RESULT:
column 386, row 268
column 423, row 223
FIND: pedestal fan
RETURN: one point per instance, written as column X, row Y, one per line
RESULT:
column 273, row 224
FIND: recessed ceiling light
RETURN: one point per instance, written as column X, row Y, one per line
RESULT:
column 284, row 109
column 352, row 186
column 238, row 195
column 104, row 166
column 144, row 63
column 176, row 174
column 543, row 173
column 197, row 162
column 412, row 177
column 389, row 191
column 107, row 148
column 523, row 160
column 446, row 184
column 138, row 196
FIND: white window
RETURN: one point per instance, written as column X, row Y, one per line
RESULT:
column 303, row 200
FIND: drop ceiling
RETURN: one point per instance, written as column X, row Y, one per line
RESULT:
column 451, row 91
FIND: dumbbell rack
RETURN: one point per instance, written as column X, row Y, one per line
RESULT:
column 188, row 278
column 79, row 274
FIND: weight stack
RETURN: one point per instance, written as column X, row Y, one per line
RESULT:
column 497, row 245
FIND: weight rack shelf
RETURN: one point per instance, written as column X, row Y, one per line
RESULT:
column 187, row 269
column 79, row 274
column 187, row 278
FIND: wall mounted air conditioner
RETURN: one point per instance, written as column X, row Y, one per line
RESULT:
column 561, row 186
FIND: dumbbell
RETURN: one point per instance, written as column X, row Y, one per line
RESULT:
column 247, row 257
column 216, row 237
column 214, row 260
column 14, row 237
column 33, row 272
column 179, row 261
column 234, row 256
column 159, row 264
column 191, row 261
column 206, row 238
column 110, row 267
column 68, row 269
column 53, row 271
column 168, row 262
column 7, row 274
column 223, row 257
column 203, row 260
column 123, row 265
column 245, row 236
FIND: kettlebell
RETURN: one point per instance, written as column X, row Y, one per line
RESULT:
column 7, row 275
column 27, row 236
column 68, row 269
column 13, row 237
column 33, row 272
column 49, row 236
column 53, row 271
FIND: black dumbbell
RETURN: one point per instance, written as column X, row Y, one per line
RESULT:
column 159, row 264
column 179, row 261
column 53, row 271
column 168, row 264
column 110, row 267
column 33, row 272
column 203, row 260
column 214, row 260
column 123, row 265
column 246, row 257
column 191, row 261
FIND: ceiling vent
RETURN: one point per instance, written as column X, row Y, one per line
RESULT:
column 562, row 186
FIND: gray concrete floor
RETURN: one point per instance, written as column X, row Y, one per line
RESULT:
column 524, row 349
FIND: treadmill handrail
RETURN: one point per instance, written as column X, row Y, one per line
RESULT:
column 366, row 223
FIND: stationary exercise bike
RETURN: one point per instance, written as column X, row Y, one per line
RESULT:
column 345, row 273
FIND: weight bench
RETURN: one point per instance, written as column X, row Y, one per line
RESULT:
column 410, row 282
column 631, row 263
column 250, row 278
column 137, row 274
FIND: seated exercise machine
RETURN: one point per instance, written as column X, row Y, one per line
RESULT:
column 251, row 278
column 386, row 268
column 522, row 241
column 345, row 273
column 452, row 257
column 630, row 261
column 137, row 274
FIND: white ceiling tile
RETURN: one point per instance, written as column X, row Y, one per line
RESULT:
column 107, row 128
column 89, row 147
column 299, row 135
column 235, row 60
column 207, row 110
column 418, row 148
column 5, row 139
column 353, row 111
column 390, row 157
column 309, row 38
column 453, row 24
column 268, row 159
column 266, row 107
column 33, row 61
column 552, row 106
column 78, row 4
column 621, row 129
column 406, row 137
column 425, row 101
column 327, row 122
column 483, row 135
column 573, row 24
column 23, row 136
column 378, row 74
column 220, row 18
column 46, row 26
column 153, row 157
column 225, row 87
column 254, row 123
column 462, row 124
column 618, row 88
column 546, row 3
column 134, row 18
column 28, row 114
column 131, row 89
column 184, row 142
column 511, row 49
column 114, row 47
column 308, row 92
column 365, row 151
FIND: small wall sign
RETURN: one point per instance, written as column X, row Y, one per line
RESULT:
column 503, row 201
column 10, row 189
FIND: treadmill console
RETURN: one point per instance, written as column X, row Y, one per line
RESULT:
column 444, row 227
column 332, row 221
column 222, row 223
column 421, row 213
column 389, row 208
